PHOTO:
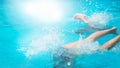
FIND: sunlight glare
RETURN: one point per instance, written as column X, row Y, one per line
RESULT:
column 44, row 11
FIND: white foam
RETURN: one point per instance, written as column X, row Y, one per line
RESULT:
column 99, row 20
column 41, row 45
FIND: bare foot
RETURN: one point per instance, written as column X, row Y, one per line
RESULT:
column 114, row 30
column 80, row 16
column 119, row 37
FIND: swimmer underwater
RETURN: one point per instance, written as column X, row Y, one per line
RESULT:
column 69, row 51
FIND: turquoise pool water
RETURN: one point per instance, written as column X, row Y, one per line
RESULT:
column 28, row 43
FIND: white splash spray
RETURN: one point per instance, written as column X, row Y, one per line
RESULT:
column 41, row 44
column 99, row 20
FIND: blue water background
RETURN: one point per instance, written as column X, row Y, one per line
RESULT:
column 16, row 27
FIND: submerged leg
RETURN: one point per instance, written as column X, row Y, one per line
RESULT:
column 98, row 34
column 110, row 43
column 83, row 30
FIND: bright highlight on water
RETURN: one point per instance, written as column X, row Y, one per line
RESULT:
column 59, row 34
column 46, row 11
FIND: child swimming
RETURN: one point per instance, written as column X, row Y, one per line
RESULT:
column 70, row 50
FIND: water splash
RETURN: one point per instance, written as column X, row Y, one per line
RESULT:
column 41, row 43
column 84, row 47
column 99, row 20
